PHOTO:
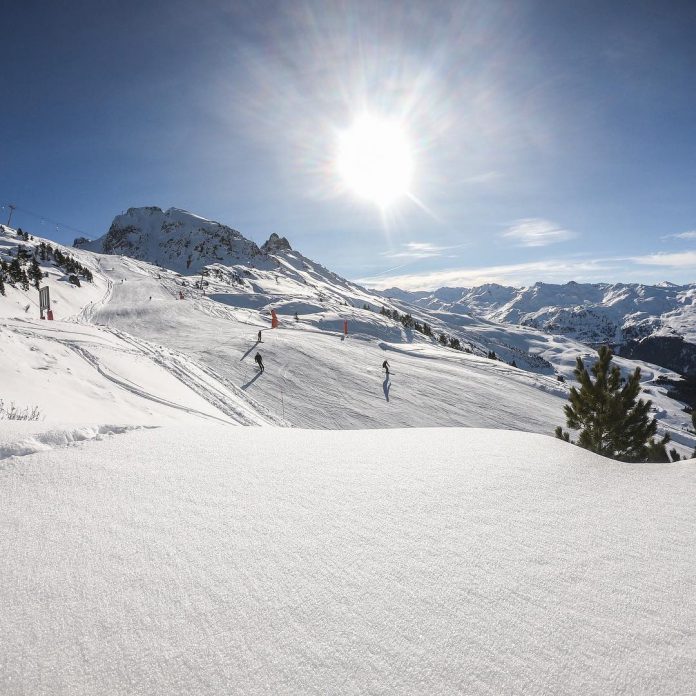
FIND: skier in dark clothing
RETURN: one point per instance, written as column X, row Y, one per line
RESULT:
column 259, row 361
column 385, row 365
column 259, row 337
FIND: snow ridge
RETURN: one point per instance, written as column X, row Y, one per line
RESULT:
column 19, row 444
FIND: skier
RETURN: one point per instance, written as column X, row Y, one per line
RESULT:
column 385, row 365
column 296, row 317
column 258, row 338
column 259, row 361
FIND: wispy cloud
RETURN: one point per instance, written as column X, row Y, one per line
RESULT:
column 678, row 267
column 420, row 250
column 677, row 260
column 691, row 234
column 482, row 178
column 537, row 232
column 550, row 270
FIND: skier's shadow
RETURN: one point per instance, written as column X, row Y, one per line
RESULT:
column 252, row 380
column 249, row 351
column 386, row 386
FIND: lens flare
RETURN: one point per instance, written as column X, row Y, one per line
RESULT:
column 374, row 160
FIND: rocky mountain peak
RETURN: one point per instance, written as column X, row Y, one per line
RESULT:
column 276, row 243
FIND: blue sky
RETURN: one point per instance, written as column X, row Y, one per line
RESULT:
column 550, row 140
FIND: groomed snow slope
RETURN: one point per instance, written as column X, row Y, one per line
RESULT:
column 156, row 359
column 227, row 561
column 315, row 379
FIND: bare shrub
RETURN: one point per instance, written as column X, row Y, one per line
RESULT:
column 14, row 413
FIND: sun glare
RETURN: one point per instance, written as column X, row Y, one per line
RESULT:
column 374, row 160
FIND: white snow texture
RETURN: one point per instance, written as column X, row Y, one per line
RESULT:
column 442, row 561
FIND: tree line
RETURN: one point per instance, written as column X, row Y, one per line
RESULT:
column 24, row 269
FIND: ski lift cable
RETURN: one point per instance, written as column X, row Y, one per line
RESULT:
column 45, row 218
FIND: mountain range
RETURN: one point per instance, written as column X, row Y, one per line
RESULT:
column 655, row 323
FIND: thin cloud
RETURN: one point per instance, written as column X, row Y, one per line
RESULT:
column 551, row 270
column 537, row 232
column 416, row 250
column 421, row 250
column 648, row 268
column 677, row 260
column 691, row 234
column 483, row 178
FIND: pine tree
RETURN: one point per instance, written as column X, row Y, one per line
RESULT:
column 35, row 273
column 611, row 418
column 443, row 339
column 14, row 271
column 2, row 283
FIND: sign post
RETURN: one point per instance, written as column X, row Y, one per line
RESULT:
column 45, row 303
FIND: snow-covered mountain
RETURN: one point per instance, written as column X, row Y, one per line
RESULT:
column 173, row 238
column 653, row 322
column 200, row 328
column 236, row 272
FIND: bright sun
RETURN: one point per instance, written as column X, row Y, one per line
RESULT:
column 374, row 160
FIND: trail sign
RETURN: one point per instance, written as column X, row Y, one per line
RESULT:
column 44, row 300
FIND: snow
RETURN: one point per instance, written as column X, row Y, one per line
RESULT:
column 150, row 545
column 589, row 312
column 20, row 439
column 175, row 238
column 213, row 560
column 313, row 378
column 127, row 350
column 81, row 373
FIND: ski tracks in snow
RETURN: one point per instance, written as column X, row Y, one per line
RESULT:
column 87, row 312
column 219, row 393
column 216, row 390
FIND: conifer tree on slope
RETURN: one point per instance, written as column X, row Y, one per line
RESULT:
column 611, row 418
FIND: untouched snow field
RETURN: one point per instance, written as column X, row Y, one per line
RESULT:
column 149, row 548
column 222, row 560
